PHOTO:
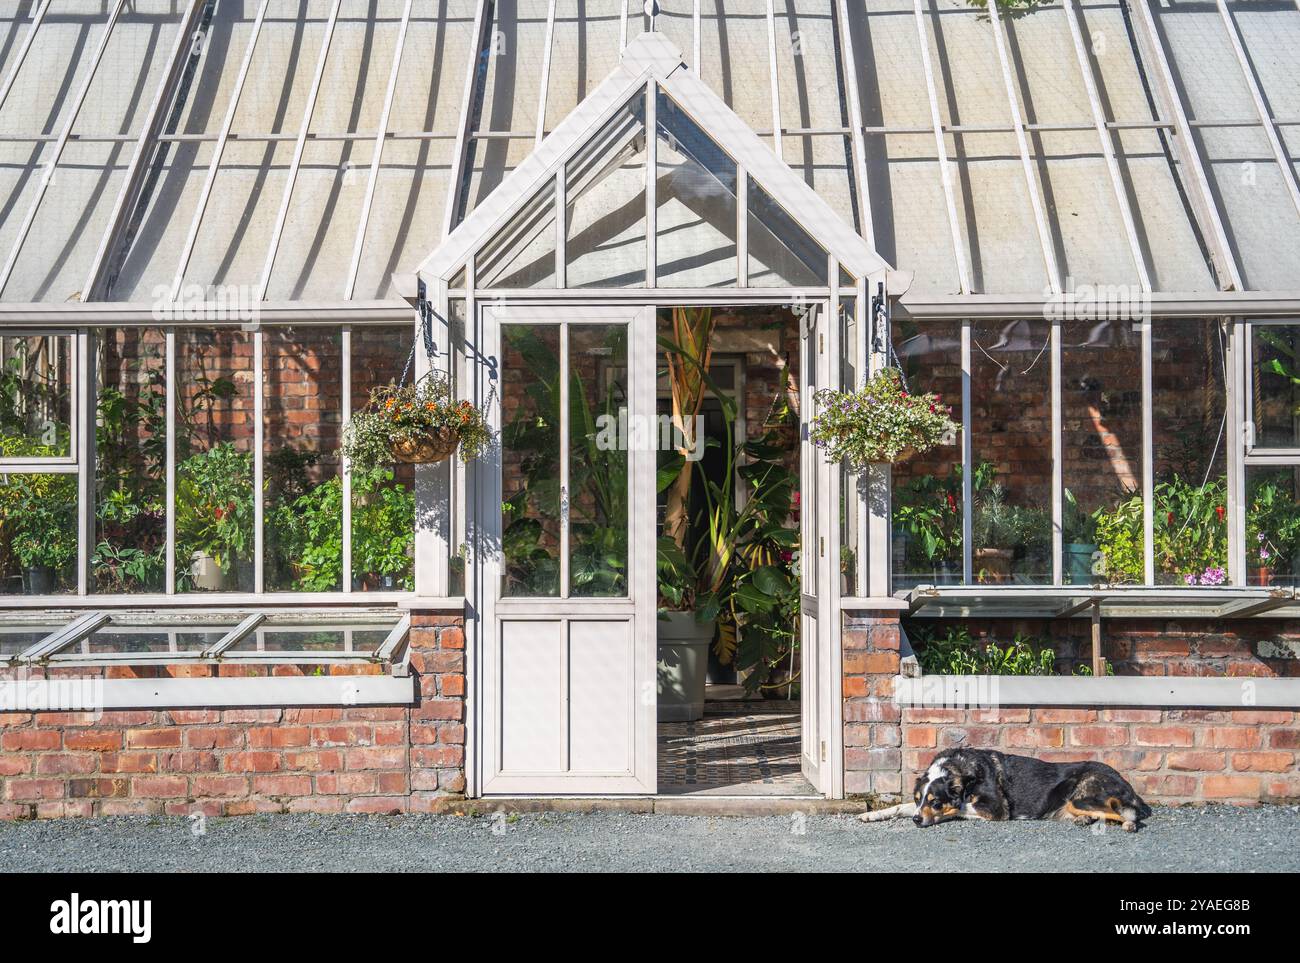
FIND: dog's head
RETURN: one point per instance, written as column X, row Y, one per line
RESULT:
column 938, row 795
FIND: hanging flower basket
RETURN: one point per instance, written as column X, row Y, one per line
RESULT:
column 416, row 424
column 880, row 423
column 425, row 450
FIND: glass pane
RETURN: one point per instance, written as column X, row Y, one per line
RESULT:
column 17, row 636
column 927, row 489
column 335, row 640
column 598, row 460
column 1273, row 526
column 849, row 493
column 522, row 255
column 605, row 188
column 383, row 501
column 695, row 222
column 1189, row 419
column 130, row 552
column 781, row 253
column 38, row 534
column 214, row 456
column 304, row 489
column 116, row 639
column 1011, row 440
column 530, row 453
column 1101, row 408
column 1275, row 374
column 35, row 396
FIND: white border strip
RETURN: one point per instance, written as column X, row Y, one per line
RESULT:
column 980, row 691
column 358, row 690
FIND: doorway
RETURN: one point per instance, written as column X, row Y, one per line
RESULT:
column 569, row 593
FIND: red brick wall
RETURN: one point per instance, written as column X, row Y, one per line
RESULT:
column 361, row 759
column 1170, row 755
column 872, row 736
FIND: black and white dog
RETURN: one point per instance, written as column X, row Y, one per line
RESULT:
column 986, row 784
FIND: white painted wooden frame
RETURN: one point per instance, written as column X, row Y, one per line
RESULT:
column 484, row 627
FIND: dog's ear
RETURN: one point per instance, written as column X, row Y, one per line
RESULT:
column 955, row 788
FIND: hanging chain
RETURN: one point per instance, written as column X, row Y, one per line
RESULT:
column 426, row 331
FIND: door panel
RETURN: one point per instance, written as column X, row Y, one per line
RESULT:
column 810, row 544
column 566, row 515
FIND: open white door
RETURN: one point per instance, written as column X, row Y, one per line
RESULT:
column 810, row 572
column 566, row 508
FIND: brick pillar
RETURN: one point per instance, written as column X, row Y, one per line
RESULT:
column 438, row 721
column 873, row 759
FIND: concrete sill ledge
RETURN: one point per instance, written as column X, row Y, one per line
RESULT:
column 990, row 691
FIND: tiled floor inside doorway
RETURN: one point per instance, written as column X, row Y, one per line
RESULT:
column 739, row 748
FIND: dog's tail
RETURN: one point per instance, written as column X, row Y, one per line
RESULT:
column 893, row 812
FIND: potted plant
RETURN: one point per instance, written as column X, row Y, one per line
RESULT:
column 880, row 423
column 687, row 567
column 419, row 423
column 45, row 536
column 214, row 518
column 994, row 534
column 1080, row 548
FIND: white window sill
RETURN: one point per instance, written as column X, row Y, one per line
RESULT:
column 988, row 691
column 94, row 695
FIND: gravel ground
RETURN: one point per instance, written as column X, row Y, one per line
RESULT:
column 1210, row 839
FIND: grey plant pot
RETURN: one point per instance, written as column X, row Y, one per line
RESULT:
column 683, row 665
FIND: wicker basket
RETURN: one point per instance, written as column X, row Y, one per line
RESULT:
column 426, row 450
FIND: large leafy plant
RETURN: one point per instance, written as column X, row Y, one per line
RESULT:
column 214, row 507
column 742, row 568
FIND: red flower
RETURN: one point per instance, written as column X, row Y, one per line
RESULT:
column 1218, row 510
column 219, row 512
column 952, row 503
column 1170, row 519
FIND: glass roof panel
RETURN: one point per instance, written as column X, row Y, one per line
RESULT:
column 1261, row 220
column 406, row 216
column 996, row 221
column 236, row 228
column 406, row 223
column 887, row 52
column 781, row 253
column 202, row 103
column 360, row 60
column 1270, row 32
column 584, row 52
column 696, row 217
column 53, row 262
column 807, row 65
column 522, row 255
column 143, row 268
column 51, row 76
column 512, row 84
column 284, row 62
column 605, row 190
column 315, row 252
column 133, row 63
column 1081, row 208
column 733, row 57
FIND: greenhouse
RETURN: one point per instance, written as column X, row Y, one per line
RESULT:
column 638, row 252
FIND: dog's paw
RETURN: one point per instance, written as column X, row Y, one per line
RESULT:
column 1130, row 826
